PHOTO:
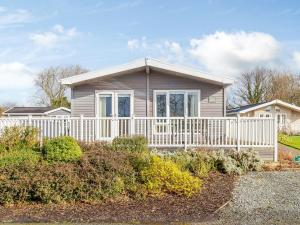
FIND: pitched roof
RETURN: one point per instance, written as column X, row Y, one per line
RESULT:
column 143, row 63
column 251, row 107
column 33, row 110
column 241, row 108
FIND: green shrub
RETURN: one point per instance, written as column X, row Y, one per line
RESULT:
column 100, row 174
column 198, row 163
column 283, row 138
column 248, row 160
column 19, row 137
column 236, row 162
column 164, row 176
column 134, row 144
column 64, row 149
column 20, row 156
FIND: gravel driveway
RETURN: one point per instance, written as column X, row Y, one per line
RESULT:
column 264, row 198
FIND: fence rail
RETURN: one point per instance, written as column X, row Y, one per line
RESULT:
column 160, row 131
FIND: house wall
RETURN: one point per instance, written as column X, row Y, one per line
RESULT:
column 293, row 117
column 83, row 95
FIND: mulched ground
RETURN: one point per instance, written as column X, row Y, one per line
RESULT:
column 217, row 191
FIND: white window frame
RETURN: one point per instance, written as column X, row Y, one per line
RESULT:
column 264, row 115
column 168, row 92
column 114, row 94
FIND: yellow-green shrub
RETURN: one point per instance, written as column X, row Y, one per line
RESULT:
column 64, row 149
column 164, row 176
column 19, row 137
column 17, row 157
column 133, row 144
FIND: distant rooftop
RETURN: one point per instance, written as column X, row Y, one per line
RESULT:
column 241, row 108
column 29, row 110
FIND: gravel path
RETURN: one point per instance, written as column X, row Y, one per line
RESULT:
column 264, row 198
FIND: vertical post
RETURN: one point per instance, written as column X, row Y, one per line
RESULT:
column 238, row 126
column 97, row 122
column 275, row 140
column 185, row 132
column 81, row 127
column 29, row 120
column 132, row 125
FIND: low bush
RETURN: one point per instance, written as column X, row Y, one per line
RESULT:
column 64, row 149
column 19, row 137
column 134, row 144
column 100, row 174
column 18, row 157
column 197, row 162
column 164, row 176
column 236, row 162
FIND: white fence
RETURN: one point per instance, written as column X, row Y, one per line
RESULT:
column 161, row 132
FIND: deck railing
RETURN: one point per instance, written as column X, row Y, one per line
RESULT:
column 186, row 132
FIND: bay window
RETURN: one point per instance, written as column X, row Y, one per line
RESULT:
column 176, row 103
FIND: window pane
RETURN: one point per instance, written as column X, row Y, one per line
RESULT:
column 176, row 105
column 192, row 104
column 105, row 105
column 161, row 105
column 124, row 106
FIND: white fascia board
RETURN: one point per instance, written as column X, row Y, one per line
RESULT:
column 188, row 71
column 274, row 102
column 57, row 109
column 100, row 73
column 140, row 63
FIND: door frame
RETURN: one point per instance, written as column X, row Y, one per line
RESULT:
column 114, row 117
column 114, row 104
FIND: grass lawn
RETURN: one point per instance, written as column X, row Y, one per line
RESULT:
column 292, row 141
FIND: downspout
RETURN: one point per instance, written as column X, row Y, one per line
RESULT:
column 147, row 86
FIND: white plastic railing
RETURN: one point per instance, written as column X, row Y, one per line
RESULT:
column 160, row 131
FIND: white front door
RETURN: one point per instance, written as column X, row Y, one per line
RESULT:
column 111, row 105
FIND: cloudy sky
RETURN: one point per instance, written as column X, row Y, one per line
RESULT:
column 218, row 36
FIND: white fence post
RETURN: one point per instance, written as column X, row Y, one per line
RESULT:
column 238, row 132
column 97, row 133
column 185, row 132
column 275, row 140
column 29, row 120
column 81, row 127
column 132, row 125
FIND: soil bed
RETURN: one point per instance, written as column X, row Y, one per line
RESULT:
column 216, row 192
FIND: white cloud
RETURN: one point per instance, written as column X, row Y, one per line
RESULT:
column 232, row 53
column 174, row 47
column 133, row 44
column 8, row 17
column 167, row 50
column 296, row 59
column 15, row 76
column 57, row 35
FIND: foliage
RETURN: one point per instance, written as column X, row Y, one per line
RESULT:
column 292, row 141
column 63, row 149
column 18, row 157
column 236, row 162
column 253, row 86
column 197, row 162
column 50, row 90
column 19, row 137
column 62, row 101
column 134, row 144
column 285, row 156
column 164, row 176
column 100, row 174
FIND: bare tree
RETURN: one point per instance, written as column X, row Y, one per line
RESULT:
column 253, row 86
column 5, row 106
column 50, row 90
column 284, row 86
